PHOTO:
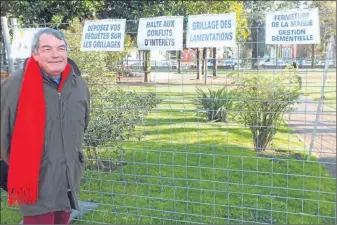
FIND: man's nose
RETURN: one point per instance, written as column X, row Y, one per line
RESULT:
column 55, row 53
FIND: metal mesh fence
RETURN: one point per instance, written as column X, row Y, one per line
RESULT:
column 175, row 166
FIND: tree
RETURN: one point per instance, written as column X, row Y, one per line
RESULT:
column 120, row 9
column 327, row 19
column 123, row 10
column 42, row 11
column 256, row 20
column 256, row 11
column 327, row 10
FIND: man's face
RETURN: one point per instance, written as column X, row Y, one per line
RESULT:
column 51, row 55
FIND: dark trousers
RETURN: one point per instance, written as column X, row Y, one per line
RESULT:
column 48, row 218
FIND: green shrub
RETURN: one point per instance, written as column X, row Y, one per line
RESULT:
column 215, row 104
column 114, row 119
column 263, row 100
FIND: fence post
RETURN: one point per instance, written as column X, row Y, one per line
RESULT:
column 318, row 112
column 14, row 25
column 5, row 32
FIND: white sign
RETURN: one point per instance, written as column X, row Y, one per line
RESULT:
column 164, row 33
column 103, row 35
column 22, row 43
column 211, row 31
column 293, row 27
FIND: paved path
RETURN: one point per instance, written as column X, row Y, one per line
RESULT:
column 302, row 121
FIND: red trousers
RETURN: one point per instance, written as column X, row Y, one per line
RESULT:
column 48, row 218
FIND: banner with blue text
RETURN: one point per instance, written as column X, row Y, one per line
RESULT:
column 211, row 31
column 165, row 33
column 297, row 26
column 103, row 35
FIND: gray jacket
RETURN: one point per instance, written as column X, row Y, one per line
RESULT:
column 63, row 161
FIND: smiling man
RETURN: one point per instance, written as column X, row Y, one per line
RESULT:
column 44, row 114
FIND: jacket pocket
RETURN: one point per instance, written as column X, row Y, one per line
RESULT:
column 81, row 157
column 75, row 111
column 45, row 179
column 82, row 160
column 46, row 143
column 79, row 172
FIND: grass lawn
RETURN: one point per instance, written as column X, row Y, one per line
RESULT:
column 186, row 171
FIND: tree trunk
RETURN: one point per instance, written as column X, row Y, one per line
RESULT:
column 179, row 61
column 312, row 55
column 198, row 64
column 214, row 62
column 255, row 46
column 141, row 57
column 98, row 161
column 90, row 157
column 93, row 159
column 262, row 137
column 147, row 66
column 203, row 62
column 258, row 143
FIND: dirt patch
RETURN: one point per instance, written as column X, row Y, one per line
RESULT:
column 172, row 81
column 278, row 155
column 105, row 165
column 318, row 76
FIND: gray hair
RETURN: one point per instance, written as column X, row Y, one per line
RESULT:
column 56, row 33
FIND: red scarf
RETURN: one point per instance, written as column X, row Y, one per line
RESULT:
column 27, row 141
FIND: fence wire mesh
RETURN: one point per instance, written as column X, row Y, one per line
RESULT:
column 154, row 157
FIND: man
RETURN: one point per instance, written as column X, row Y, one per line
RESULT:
column 44, row 114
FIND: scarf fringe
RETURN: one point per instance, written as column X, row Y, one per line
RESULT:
column 22, row 195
